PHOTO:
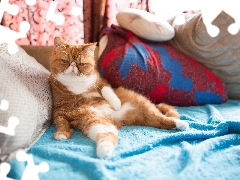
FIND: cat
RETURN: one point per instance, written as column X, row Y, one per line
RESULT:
column 83, row 100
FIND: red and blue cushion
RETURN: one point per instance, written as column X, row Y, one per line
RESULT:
column 158, row 71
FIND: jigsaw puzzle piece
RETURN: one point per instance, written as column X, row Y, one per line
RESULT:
column 4, row 170
column 208, row 15
column 31, row 171
column 12, row 123
column 12, row 9
column 76, row 11
column 51, row 16
column 232, row 9
column 4, row 105
column 9, row 36
column 30, row 2
column 211, row 9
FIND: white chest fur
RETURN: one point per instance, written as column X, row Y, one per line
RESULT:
column 77, row 84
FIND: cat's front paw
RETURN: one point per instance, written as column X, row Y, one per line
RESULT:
column 111, row 97
column 63, row 135
column 116, row 104
column 182, row 125
column 105, row 149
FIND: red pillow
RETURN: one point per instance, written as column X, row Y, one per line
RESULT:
column 158, row 71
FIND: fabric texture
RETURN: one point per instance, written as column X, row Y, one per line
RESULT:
column 25, row 86
column 40, row 53
column 220, row 54
column 145, row 25
column 113, row 7
column 42, row 31
column 83, row 27
column 158, row 71
column 208, row 150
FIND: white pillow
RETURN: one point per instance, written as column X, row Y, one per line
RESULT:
column 26, row 87
column 145, row 25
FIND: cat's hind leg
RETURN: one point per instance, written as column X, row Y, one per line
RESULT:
column 169, row 120
column 106, row 138
column 100, row 128
column 168, row 117
column 168, row 110
column 144, row 112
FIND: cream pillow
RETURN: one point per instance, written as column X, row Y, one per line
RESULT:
column 25, row 86
column 145, row 25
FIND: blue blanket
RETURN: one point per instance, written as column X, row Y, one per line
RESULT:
column 209, row 150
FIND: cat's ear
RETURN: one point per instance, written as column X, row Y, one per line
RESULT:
column 90, row 48
column 58, row 41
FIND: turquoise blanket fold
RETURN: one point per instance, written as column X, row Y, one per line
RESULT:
column 210, row 149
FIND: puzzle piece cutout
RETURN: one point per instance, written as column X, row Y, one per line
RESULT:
column 58, row 18
column 30, row 2
column 210, row 10
column 51, row 16
column 4, row 105
column 12, row 9
column 31, row 171
column 76, row 11
column 4, row 170
column 12, row 121
column 7, row 35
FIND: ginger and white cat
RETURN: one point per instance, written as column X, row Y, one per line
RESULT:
column 85, row 101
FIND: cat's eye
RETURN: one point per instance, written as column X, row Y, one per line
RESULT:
column 81, row 64
column 65, row 61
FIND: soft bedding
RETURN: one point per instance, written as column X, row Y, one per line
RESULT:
column 210, row 149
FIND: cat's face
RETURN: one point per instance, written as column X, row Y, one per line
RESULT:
column 72, row 60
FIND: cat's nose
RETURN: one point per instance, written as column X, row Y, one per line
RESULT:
column 73, row 64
